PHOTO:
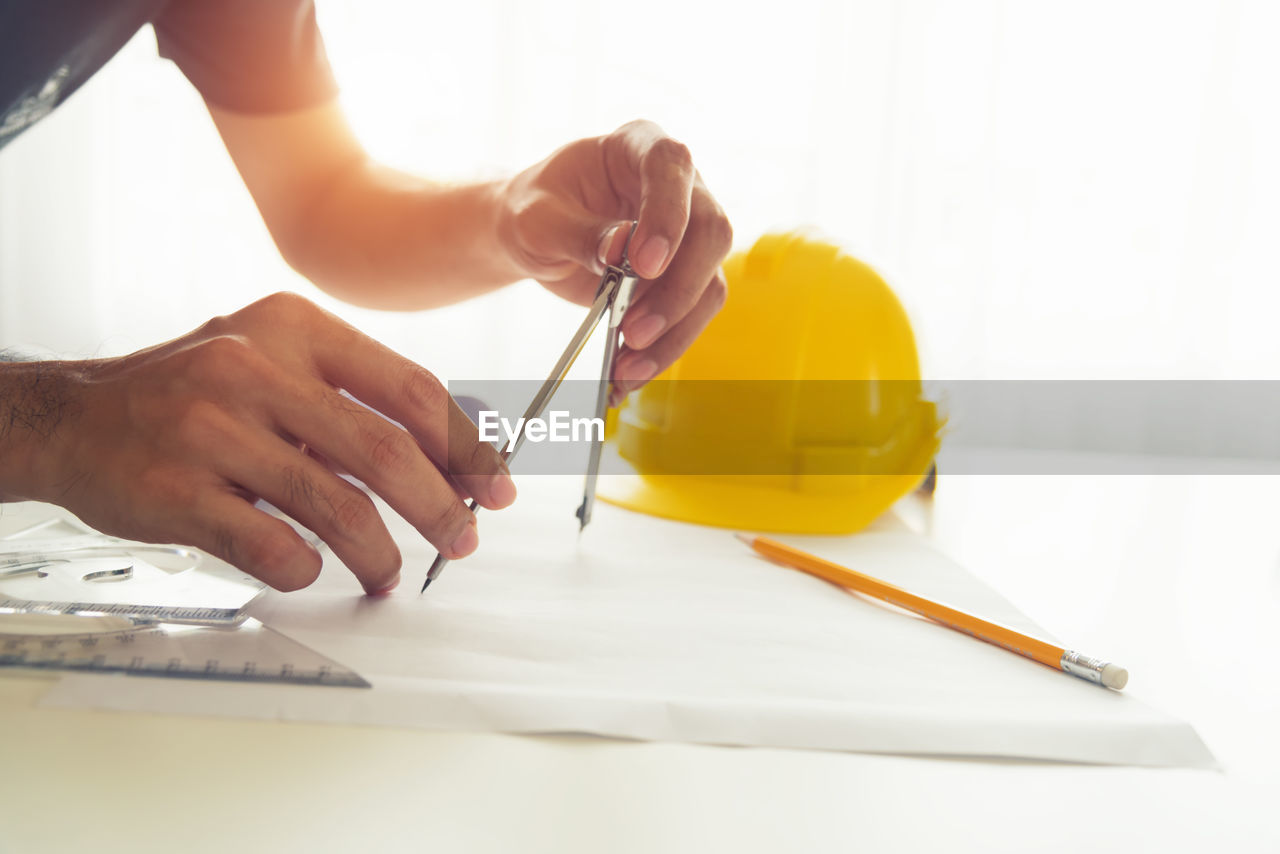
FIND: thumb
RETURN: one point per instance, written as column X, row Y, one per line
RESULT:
column 558, row 239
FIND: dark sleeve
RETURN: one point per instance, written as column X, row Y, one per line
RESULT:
column 248, row 56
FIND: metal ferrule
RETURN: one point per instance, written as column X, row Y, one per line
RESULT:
column 1079, row 664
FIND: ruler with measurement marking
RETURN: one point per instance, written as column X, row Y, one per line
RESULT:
column 250, row 652
column 147, row 613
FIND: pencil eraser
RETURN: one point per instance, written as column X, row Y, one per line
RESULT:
column 1115, row 676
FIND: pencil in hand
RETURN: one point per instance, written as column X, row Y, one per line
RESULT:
column 1077, row 664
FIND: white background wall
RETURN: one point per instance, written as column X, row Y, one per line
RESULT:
column 1087, row 190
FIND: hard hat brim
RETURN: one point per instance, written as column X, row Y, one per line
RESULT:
column 740, row 504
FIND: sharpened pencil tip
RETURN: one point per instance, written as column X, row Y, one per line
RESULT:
column 437, row 566
column 746, row 538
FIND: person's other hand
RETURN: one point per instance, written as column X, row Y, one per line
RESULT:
column 566, row 217
column 176, row 443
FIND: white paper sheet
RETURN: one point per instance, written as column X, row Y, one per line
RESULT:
column 652, row 629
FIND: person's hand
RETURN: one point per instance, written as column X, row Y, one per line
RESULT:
column 176, row 443
column 566, row 217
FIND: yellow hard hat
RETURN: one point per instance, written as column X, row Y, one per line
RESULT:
column 758, row 425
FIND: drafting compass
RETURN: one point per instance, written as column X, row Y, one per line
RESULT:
column 612, row 299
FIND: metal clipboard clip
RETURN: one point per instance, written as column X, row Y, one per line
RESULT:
column 613, row 297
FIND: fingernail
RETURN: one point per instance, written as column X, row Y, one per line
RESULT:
column 502, row 490
column 606, row 243
column 651, row 256
column 635, row 371
column 465, row 543
column 646, row 330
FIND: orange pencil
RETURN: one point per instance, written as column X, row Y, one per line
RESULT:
column 1077, row 664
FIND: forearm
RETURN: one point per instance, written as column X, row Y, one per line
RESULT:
column 384, row 239
column 364, row 232
column 377, row 237
column 38, row 402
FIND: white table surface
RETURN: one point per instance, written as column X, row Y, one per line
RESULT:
column 1175, row 576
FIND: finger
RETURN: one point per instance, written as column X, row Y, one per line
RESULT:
column 384, row 456
column 667, row 301
column 663, row 168
column 339, row 513
column 393, row 385
column 293, row 401
column 323, row 460
column 227, row 527
column 415, row 398
column 634, row 368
